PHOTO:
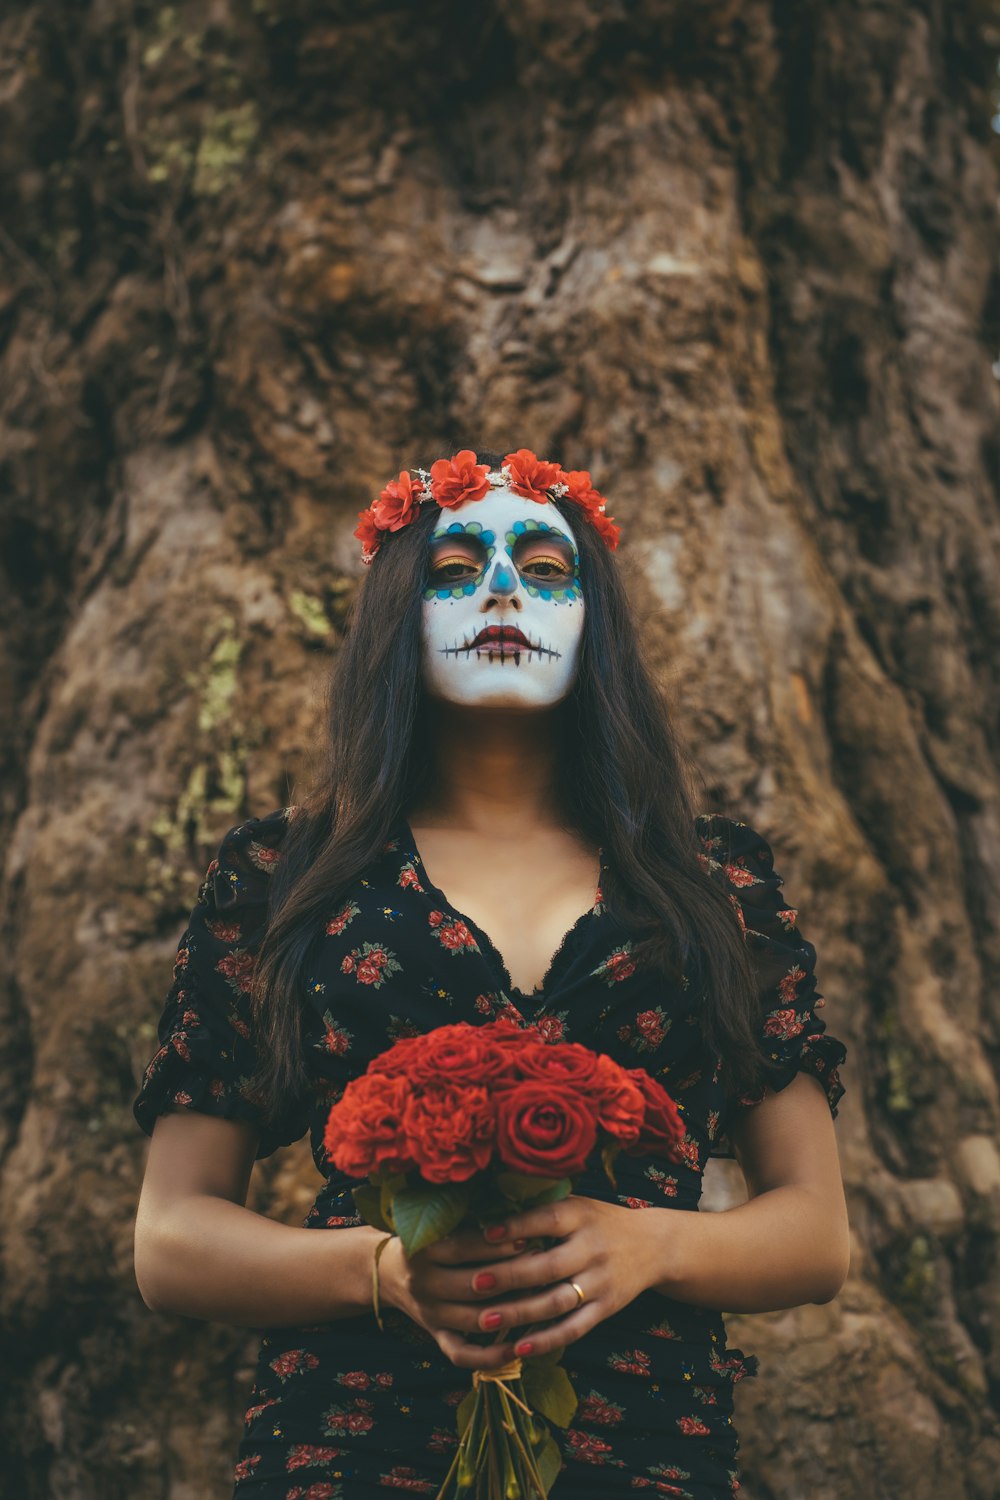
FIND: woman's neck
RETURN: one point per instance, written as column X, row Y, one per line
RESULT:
column 490, row 764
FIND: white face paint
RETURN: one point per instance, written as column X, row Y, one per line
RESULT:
column 503, row 606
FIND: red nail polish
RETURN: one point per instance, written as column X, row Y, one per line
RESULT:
column 484, row 1282
column 523, row 1349
column 492, row 1320
column 495, row 1232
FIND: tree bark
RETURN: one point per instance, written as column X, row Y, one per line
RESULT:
column 740, row 260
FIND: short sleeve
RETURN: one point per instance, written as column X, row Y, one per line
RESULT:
column 791, row 1032
column 207, row 1054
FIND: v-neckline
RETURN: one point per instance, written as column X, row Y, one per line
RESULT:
column 486, row 943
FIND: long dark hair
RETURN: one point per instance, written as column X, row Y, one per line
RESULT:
column 627, row 786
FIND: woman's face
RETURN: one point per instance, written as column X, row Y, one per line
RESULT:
column 502, row 604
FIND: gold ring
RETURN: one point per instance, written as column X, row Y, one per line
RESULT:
column 581, row 1295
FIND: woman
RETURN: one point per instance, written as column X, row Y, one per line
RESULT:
column 504, row 828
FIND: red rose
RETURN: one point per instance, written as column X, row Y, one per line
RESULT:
column 544, row 1129
column 460, row 1054
column 368, row 534
column 530, row 476
column 662, row 1129
column 620, row 1103
column 459, row 478
column 559, row 1062
column 580, row 489
column 365, row 1129
column 606, row 528
column 399, row 502
column 450, row 1133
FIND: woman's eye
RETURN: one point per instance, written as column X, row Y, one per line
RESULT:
column 553, row 566
column 453, row 567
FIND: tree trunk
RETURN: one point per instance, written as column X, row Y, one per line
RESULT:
column 737, row 259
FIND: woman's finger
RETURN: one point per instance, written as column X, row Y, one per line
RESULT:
column 555, row 1302
column 468, row 1356
column 557, row 1335
column 468, row 1247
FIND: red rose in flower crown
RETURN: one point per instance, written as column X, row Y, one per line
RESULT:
column 530, row 476
column 398, row 503
column 454, row 481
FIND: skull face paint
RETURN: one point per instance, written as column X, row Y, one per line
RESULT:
column 502, row 619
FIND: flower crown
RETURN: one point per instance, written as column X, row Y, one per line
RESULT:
column 452, row 481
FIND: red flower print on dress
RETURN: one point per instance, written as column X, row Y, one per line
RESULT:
column 293, row 1362
column 787, row 916
column 552, row 1028
column 662, row 1330
column 789, row 984
column 182, row 960
column 358, row 1380
column 238, row 969
column 666, row 1183
column 336, row 1039
column 617, row 966
column 453, row 935
column 739, row 875
column 403, row 1478
column 253, row 1412
column 409, row 879
column 633, row 1202
column 225, row 932
column 693, row 1427
column 263, row 856
column 783, row 1024
column 321, row 1490
column 442, row 1441
column 355, row 1421
column 182, row 1097
column 179, row 1043
column 652, row 1026
column 590, row 1449
column 246, row 1466
column 459, row 478
column 336, row 924
column 597, row 1408
column 305, row 1455
column 370, row 964
column 689, row 1154
column 632, row 1362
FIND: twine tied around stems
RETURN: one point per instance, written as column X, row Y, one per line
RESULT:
column 501, row 1377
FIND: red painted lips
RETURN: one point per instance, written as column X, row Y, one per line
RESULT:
column 501, row 635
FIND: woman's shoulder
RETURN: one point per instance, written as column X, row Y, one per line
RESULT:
column 247, row 858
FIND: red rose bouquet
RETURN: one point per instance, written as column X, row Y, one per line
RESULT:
column 465, row 1125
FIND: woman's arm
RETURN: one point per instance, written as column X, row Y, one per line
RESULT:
column 201, row 1253
column 790, row 1243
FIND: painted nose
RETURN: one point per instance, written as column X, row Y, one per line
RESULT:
column 503, row 579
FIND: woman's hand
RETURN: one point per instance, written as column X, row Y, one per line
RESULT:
column 611, row 1252
column 444, row 1287
column 467, row 1285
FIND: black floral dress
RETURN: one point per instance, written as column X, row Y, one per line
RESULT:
column 344, row 1410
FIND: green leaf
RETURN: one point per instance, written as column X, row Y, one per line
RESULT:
column 427, row 1213
column 553, row 1194
column 368, row 1202
column 550, row 1391
column 465, row 1409
column 548, row 1461
column 520, row 1188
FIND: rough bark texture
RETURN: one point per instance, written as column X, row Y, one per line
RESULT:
column 735, row 257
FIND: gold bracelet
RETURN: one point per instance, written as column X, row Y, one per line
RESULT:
column 376, row 1300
